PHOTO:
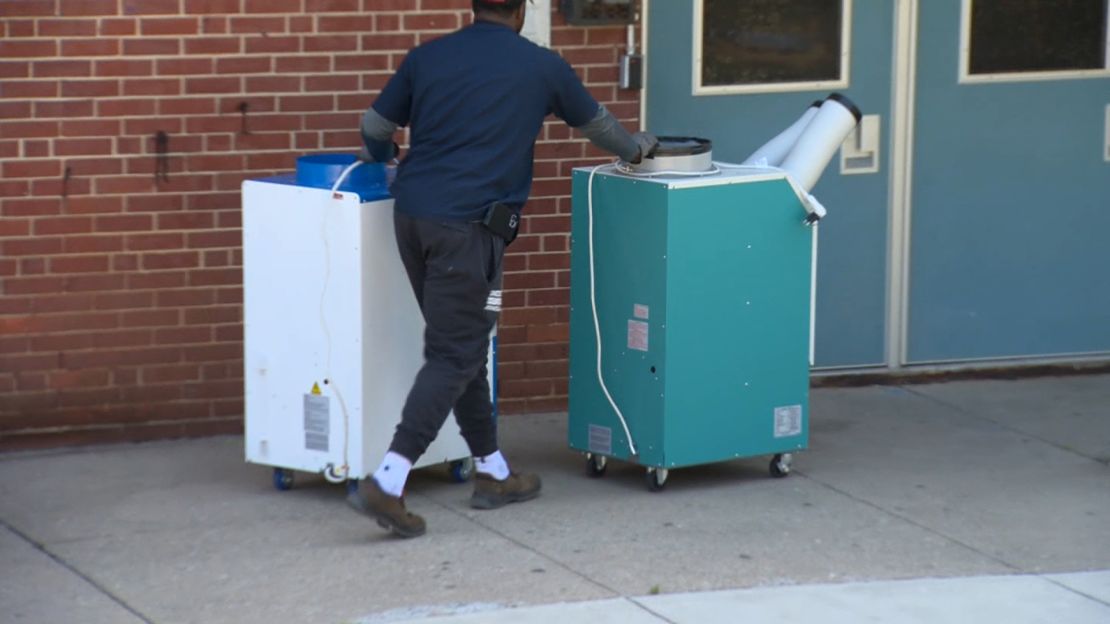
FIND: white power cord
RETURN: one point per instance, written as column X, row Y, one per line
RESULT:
column 343, row 176
column 593, row 302
column 332, row 473
column 624, row 168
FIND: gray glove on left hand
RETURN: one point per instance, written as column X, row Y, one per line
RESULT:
column 387, row 152
column 647, row 142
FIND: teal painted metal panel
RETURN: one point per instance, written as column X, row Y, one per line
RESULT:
column 630, row 229
column 738, row 268
column 852, row 268
column 719, row 278
column 1010, row 210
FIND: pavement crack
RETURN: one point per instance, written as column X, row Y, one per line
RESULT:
column 68, row 566
column 909, row 520
column 651, row 611
column 526, row 547
column 971, row 414
column 1076, row 591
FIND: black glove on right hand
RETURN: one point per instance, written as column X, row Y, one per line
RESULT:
column 647, row 142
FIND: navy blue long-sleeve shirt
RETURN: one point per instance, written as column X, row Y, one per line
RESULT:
column 475, row 101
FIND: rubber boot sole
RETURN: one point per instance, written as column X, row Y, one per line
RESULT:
column 384, row 523
column 360, row 504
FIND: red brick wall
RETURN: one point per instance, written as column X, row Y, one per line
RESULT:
column 120, row 295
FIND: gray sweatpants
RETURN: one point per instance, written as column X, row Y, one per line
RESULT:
column 455, row 271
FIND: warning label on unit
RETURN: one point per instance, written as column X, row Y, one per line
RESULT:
column 788, row 421
column 637, row 335
column 640, row 311
column 316, row 422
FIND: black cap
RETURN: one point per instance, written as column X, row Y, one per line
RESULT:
column 682, row 146
column 846, row 103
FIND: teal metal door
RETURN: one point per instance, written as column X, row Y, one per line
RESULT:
column 1010, row 181
column 794, row 39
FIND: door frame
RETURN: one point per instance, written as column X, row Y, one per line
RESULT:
column 903, row 91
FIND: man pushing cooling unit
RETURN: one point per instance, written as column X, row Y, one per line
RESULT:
column 474, row 101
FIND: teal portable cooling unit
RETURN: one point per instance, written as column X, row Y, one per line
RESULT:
column 699, row 291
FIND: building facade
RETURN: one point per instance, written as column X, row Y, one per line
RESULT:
column 965, row 214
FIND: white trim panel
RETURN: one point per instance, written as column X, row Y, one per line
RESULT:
column 966, row 77
column 773, row 87
column 1016, row 360
column 1106, row 143
column 901, row 178
column 1015, row 363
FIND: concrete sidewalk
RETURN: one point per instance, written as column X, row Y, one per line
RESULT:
column 964, row 501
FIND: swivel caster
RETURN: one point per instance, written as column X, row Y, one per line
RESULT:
column 780, row 465
column 461, row 470
column 656, row 478
column 283, row 479
column 596, row 465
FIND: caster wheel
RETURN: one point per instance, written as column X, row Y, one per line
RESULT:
column 283, row 479
column 656, row 478
column 780, row 465
column 596, row 465
column 461, row 470
column 354, row 498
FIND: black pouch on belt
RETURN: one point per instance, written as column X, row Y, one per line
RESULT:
column 502, row 220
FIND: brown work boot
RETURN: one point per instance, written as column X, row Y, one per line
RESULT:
column 489, row 493
column 388, row 510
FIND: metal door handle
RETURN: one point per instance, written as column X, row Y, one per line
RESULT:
column 860, row 151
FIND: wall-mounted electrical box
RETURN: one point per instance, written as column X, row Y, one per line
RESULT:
column 631, row 72
column 599, row 12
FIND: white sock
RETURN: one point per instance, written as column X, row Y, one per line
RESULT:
column 393, row 473
column 494, row 465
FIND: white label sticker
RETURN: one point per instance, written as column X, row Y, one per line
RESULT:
column 537, row 23
column 640, row 311
column 637, row 335
column 600, row 439
column 788, row 421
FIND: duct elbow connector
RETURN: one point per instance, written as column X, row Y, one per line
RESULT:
column 817, row 143
column 773, row 152
column 806, row 147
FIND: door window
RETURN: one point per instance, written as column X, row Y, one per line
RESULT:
column 745, row 46
column 1033, row 39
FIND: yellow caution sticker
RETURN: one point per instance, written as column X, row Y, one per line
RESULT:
column 316, row 389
